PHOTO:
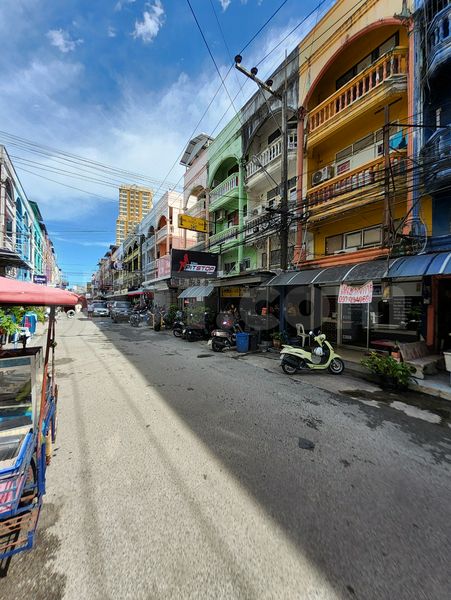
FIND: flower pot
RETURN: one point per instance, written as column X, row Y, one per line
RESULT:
column 387, row 382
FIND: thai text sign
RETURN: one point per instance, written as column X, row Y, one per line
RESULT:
column 186, row 263
column 355, row 294
column 193, row 223
column 40, row 279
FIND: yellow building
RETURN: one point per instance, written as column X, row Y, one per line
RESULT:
column 134, row 203
column 354, row 85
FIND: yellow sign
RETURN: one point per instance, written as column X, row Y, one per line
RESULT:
column 231, row 292
column 193, row 223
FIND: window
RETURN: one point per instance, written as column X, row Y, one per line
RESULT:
column 264, row 260
column 274, row 135
column 229, row 267
column 246, row 264
column 353, row 240
column 274, row 257
column 371, row 236
column 334, row 244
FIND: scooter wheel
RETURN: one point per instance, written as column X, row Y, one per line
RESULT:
column 336, row 366
column 288, row 369
column 216, row 346
column 177, row 332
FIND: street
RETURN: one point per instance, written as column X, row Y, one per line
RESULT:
column 181, row 473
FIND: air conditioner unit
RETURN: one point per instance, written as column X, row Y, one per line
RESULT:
column 221, row 215
column 257, row 211
column 322, row 175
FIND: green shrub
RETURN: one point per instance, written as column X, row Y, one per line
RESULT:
column 388, row 367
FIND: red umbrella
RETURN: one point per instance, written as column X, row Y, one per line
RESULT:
column 13, row 291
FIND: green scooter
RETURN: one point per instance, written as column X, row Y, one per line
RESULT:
column 319, row 358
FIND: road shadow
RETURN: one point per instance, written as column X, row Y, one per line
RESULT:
column 322, row 465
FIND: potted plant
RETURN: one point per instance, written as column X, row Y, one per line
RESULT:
column 8, row 326
column 279, row 338
column 390, row 373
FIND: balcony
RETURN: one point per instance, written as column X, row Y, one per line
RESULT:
column 197, row 210
column 271, row 153
column 439, row 39
column 221, row 194
column 8, row 242
column 356, row 188
column 223, row 237
column 386, row 77
column 163, row 233
column 436, row 155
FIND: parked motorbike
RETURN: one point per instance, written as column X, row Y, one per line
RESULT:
column 197, row 332
column 138, row 316
column 225, row 337
column 178, row 326
column 318, row 358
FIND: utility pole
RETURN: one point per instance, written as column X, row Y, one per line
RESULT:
column 387, row 207
column 283, row 188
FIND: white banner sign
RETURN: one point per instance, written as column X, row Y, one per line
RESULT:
column 352, row 294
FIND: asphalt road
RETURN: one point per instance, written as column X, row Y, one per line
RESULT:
column 180, row 473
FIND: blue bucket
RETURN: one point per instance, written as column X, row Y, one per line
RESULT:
column 242, row 342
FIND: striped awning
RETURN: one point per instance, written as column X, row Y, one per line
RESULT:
column 197, row 291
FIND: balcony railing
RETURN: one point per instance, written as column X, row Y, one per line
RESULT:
column 370, row 174
column 223, row 189
column 8, row 242
column 163, row 233
column 197, row 209
column 439, row 38
column 223, row 236
column 272, row 152
column 436, row 155
column 390, row 66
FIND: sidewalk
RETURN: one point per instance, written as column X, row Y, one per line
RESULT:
column 437, row 386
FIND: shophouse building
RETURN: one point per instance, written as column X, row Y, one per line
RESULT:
column 195, row 183
column 26, row 251
column 159, row 233
column 433, row 30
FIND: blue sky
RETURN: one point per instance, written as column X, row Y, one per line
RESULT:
column 121, row 82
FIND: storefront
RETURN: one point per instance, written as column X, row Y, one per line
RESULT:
column 404, row 299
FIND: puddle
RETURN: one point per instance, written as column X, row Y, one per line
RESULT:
column 417, row 406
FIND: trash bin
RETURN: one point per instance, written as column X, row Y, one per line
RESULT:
column 242, row 342
column 253, row 342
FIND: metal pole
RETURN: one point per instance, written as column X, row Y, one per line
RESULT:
column 284, row 179
column 387, row 208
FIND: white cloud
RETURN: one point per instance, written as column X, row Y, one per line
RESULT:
column 153, row 20
column 225, row 4
column 85, row 243
column 121, row 3
column 61, row 39
column 111, row 32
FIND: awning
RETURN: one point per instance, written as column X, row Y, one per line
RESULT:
column 197, row 291
column 13, row 291
column 438, row 263
column 250, row 279
column 138, row 292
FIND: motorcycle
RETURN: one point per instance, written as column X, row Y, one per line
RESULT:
column 178, row 326
column 138, row 316
column 197, row 332
column 296, row 359
column 226, row 337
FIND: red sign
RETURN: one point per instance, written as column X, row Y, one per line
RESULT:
column 355, row 294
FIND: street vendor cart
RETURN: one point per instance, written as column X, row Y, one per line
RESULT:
column 28, row 419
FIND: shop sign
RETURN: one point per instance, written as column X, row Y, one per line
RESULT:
column 186, row 263
column 231, row 292
column 164, row 266
column 42, row 279
column 355, row 294
column 193, row 223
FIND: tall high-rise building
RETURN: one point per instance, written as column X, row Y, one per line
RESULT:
column 134, row 203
